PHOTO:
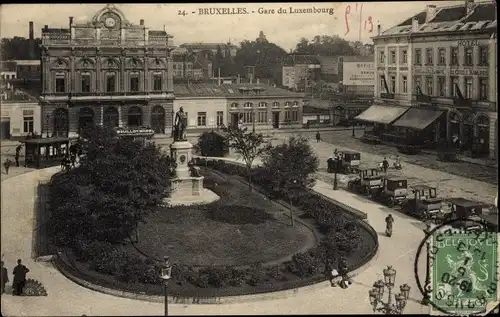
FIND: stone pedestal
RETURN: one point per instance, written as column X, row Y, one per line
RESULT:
column 186, row 189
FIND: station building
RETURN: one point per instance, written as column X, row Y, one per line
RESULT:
column 107, row 71
column 436, row 78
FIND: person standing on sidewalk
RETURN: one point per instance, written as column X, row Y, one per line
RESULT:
column 18, row 153
column 385, row 165
column 318, row 137
column 7, row 165
column 5, row 277
column 388, row 225
column 19, row 278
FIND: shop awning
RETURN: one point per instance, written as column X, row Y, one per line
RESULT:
column 418, row 118
column 381, row 114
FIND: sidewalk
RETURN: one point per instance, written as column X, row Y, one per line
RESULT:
column 72, row 299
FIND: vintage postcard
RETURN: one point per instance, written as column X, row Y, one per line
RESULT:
column 249, row 158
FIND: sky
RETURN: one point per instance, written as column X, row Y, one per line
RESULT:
column 284, row 29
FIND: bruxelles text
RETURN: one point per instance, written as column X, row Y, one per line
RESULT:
column 290, row 10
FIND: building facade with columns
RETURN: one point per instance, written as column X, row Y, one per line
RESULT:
column 442, row 64
column 108, row 71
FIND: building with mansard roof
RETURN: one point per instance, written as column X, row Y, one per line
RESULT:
column 436, row 79
column 107, row 71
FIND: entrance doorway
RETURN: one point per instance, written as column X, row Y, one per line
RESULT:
column 234, row 119
column 158, row 119
column 85, row 118
column 5, row 130
column 61, row 124
column 276, row 120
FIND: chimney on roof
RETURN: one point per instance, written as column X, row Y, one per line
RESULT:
column 46, row 27
column 31, row 32
column 70, row 22
column 141, row 22
column 414, row 25
column 379, row 29
column 469, row 5
column 430, row 13
column 31, row 41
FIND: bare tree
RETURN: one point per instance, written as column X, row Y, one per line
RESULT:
column 249, row 145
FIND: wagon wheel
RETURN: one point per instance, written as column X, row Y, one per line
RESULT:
column 390, row 203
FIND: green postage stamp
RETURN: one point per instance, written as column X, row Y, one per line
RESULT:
column 464, row 271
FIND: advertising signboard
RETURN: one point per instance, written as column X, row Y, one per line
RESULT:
column 358, row 74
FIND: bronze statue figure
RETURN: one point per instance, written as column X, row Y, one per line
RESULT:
column 180, row 124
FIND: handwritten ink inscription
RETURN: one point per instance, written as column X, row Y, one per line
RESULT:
column 366, row 24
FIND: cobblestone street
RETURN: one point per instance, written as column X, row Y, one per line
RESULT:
column 344, row 139
column 417, row 169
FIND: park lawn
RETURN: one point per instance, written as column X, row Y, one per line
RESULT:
column 191, row 235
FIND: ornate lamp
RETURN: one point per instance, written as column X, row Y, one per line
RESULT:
column 373, row 294
column 405, row 291
column 379, row 286
column 400, row 302
column 166, row 271
column 389, row 276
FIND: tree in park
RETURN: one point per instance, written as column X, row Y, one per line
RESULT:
column 249, row 145
column 117, row 184
column 288, row 168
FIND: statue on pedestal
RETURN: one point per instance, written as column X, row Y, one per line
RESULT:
column 180, row 124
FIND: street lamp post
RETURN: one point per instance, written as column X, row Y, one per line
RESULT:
column 353, row 132
column 376, row 294
column 166, row 274
column 47, row 121
column 427, row 231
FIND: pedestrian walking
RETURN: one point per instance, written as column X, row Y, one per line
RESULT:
column 342, row 270
column 7, row 165
column 318, row 137
column 385, row 165
column 388, row 225
column 19, row 282
column 18, row 153
column 5, row 277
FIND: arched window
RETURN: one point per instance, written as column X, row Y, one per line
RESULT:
column 262, row 104
column 134, row 116
column 85, row 118
column 158, row 119
column 247, row 105
column 234, row 105
column 276, row 104
column 111, row 117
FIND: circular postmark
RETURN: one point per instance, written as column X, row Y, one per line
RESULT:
column 461, row 267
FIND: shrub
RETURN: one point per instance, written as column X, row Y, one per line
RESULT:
column 110, row 262
column 86, row 250
column 275, row 272
column 303, row 265
column 184, row 274
column 256, row 275
column 203, row 279
column 150, row 273
column 237, row 277
column 133, row 270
